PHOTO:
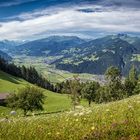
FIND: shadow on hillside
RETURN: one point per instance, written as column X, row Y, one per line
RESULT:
column 10, row 79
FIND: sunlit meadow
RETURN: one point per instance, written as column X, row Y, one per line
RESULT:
column 116, row 121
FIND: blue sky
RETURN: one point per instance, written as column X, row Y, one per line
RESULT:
column 32, row 19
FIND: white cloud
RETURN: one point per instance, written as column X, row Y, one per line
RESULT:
column 69, row 20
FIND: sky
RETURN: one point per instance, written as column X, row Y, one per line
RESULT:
column 33, row 19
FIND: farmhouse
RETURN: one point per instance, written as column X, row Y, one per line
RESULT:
column 3, row 97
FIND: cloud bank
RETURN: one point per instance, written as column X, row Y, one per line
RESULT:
column 76, row 20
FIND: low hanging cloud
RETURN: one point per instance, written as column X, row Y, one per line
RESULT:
column 70, row 20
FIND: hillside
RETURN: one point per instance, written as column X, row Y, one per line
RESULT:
column 5, row 56
column 52, row 45
column 9, row 83
column 97, row 55
column 54, row 102
column 116, row 121
column 76, row 55
column 7, row 45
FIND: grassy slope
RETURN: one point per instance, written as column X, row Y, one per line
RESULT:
column 54, row 102
column 113, row 121
column 9, row 84
column 116, row 120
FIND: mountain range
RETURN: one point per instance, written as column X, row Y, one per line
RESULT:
column 78, row 55
column 48, row 46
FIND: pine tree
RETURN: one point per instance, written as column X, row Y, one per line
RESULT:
column 133, row 77
column 131, row 81
column 114, row 85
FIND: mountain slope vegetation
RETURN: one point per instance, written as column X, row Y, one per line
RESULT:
column 97, row 55
column 82, row 56
column 48, row 46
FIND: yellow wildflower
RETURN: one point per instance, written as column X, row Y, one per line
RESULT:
column 57, row 133
column 107, row 110
column 76, row 120
column 92, row 128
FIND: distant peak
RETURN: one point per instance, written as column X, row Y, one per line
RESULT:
column 61, row 38
column 122, row 35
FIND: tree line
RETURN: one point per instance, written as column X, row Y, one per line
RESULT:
column 115, row 88
column 29, row 74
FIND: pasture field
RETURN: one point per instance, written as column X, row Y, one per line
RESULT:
column 54, row 102
column 9, row 83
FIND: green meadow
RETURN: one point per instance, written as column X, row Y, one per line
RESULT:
column 118, row 120
column 113, row 121
column 53, row 103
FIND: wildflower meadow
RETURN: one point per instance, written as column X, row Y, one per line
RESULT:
column 115, row 121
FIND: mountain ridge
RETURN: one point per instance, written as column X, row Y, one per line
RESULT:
column 50, row 45
column 74, row 54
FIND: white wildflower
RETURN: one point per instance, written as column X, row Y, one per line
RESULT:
column 13, row 113
column 81, row 114
column 79, row 107
column 75, row 114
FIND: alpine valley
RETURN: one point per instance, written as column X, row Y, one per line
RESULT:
column 76, row 55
